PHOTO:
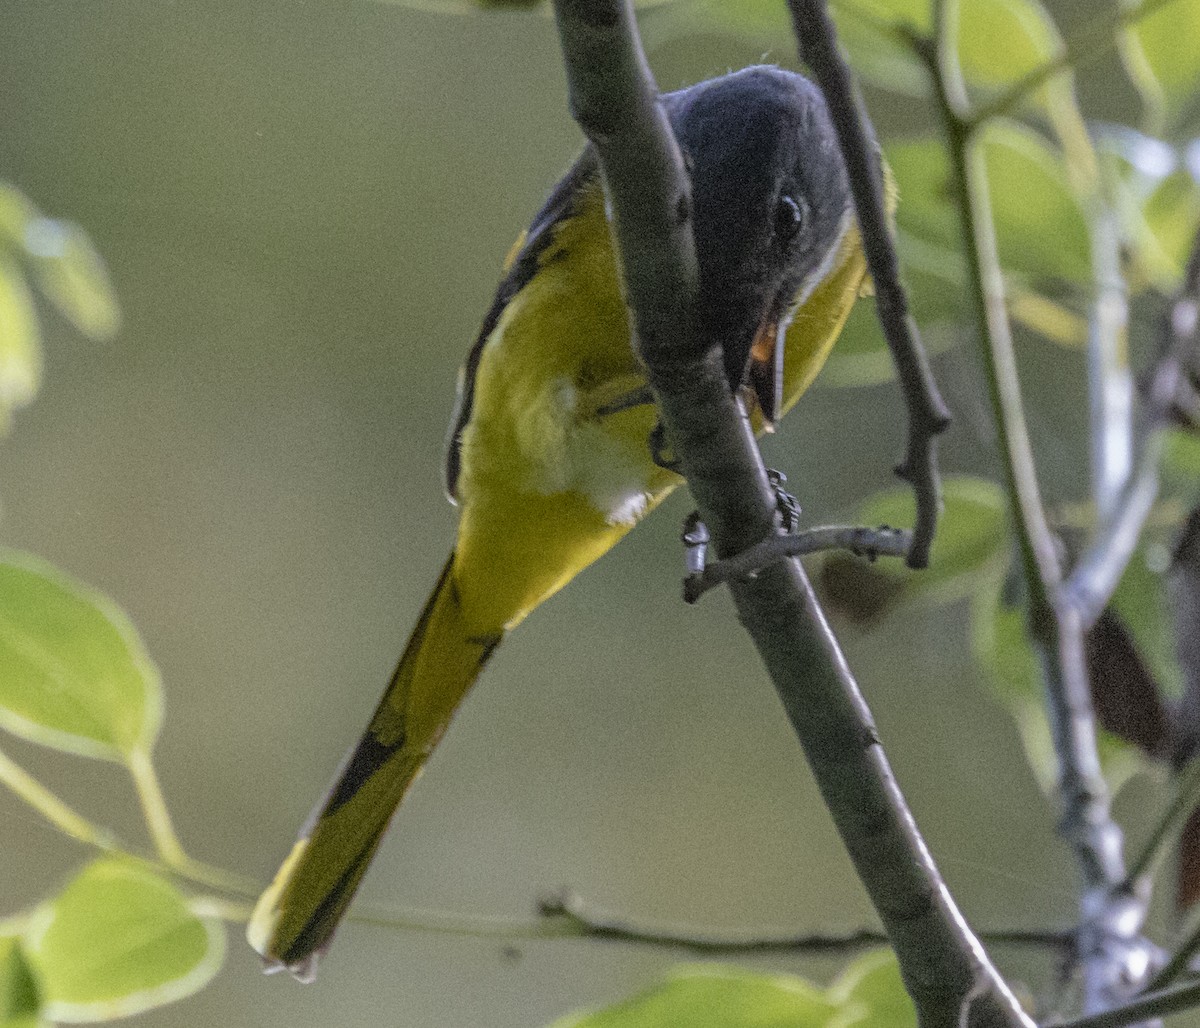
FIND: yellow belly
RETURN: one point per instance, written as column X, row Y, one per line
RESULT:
column 547, row 483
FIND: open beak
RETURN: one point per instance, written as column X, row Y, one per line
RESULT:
column 764, row 375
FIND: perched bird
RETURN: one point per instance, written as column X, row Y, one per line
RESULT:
column 550, row 456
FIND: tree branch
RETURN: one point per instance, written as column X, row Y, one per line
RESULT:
column 944, row 967
column 1112, row 954
column 927, row 413
column 594, row 923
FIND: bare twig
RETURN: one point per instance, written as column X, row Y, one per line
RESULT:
column 865, row 542
column 927, row 413
column 588, row 921
column 944, row 966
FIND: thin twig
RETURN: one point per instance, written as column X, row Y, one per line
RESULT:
column 588, row 921
column 1151, row 1005
column 1111, row 950
column 928, row 416
column 865, row 542
column 614, row 100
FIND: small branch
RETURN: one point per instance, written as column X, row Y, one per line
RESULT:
column 927, row 413
column 1151, row 1005
column 863, row 542
column 590, row 922
column 1091, row 44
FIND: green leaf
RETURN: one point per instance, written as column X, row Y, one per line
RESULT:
column 118, row 940
column 20, row 341
column 1040, row 227
column 869, row 993
column 873, row 981
column 73, row 673
column 1172, row 215
column 971, row 541
column 1030, row 37
column 1159, row 52
column 20, row 994
column 870, row 32
column 72, row 276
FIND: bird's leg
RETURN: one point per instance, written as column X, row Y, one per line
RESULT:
column 787, row 505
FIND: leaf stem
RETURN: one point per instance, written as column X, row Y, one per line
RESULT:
column 154, row 809
column 56, row 811
column 166, row 842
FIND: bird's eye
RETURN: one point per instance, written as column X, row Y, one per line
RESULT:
column 790, row 217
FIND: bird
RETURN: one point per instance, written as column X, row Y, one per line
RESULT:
column 552, row 456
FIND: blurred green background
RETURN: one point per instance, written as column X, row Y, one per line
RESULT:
column 304, row 207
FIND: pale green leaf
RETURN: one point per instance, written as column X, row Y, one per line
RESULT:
column 1030, row 39
column 20, row 341
column 1159, row 52
column 16, row 212
column 118, row 940
column 73, row 672
column 717, row 997
column 870, row 33
column 71, row 275
column 868, row 994
column 873, row 983
column 971, row 541
column 20, row 994
column 1040, row 227
column 1172, row 216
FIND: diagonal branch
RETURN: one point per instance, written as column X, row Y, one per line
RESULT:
column 613, row 97
column 927, row 413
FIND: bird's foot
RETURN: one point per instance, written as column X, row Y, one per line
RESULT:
column 789, row 542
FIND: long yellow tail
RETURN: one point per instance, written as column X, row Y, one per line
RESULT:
column 296, row 917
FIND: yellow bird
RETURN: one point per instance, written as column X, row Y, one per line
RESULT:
column 551, row 459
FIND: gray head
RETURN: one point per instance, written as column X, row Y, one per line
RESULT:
column 770, row 198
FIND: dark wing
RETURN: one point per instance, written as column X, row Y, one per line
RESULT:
column 559, row 206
